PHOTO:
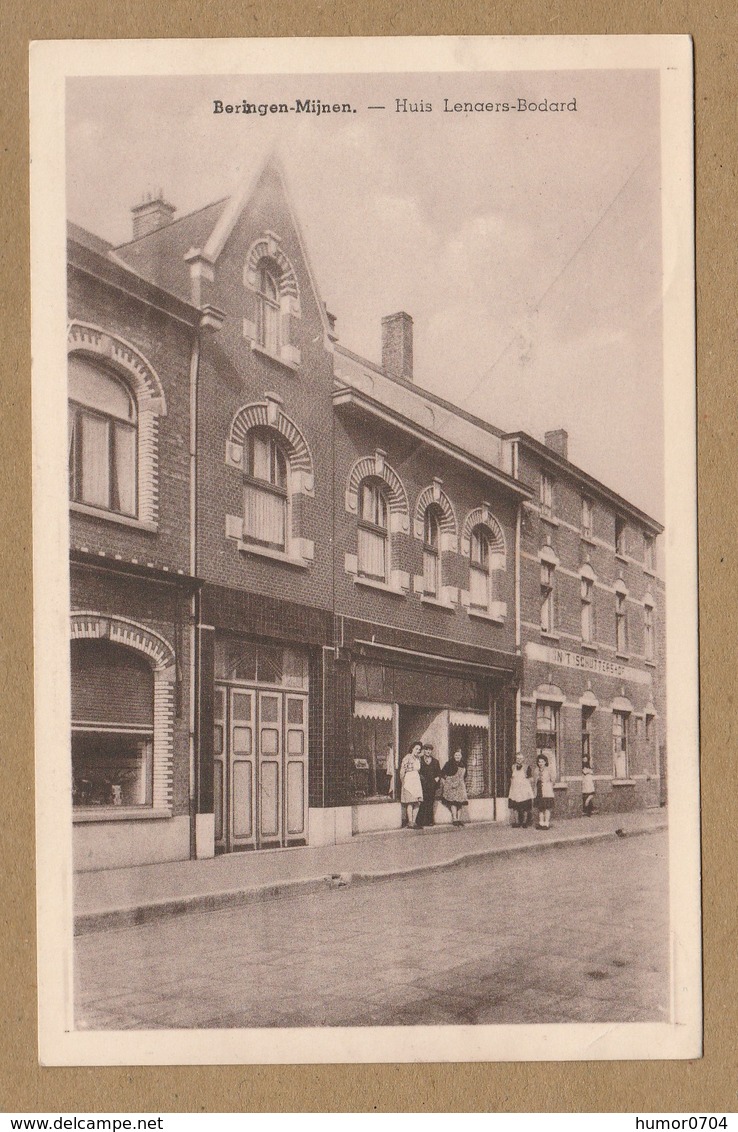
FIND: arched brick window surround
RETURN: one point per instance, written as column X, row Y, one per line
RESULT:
column 130, row 634
column 268, row 413
column 434, row 494
column 266, row 251
column 376, row 465
column 482, row 516
column 145, row 385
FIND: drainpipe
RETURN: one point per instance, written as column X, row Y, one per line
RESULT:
column 195, row 599
column 518, row 634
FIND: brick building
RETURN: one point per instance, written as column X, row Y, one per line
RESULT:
column 328, row 560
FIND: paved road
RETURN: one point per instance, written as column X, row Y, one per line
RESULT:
column 572, row 935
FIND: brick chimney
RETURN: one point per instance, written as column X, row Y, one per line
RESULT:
column 151, row 214
column 397, row 345
column 558, row 441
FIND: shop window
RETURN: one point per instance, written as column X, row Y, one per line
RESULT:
column 112, row 726
column 587, row 589
column 480, row 574
column 620, row 543
column 473, row 742
column 374, row 550
column 266, row 491
column 102, row 439
column 546, row 494
column 431, row 553
column 547, row 597
column 586, row 517
column 648, row 632
column 547, row 735
column 621, row 624
column 373, row 770
column 587, row 717
column 267, row 310
column 620, row 745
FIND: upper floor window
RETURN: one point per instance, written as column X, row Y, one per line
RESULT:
column 620, row 544
column 547, row 596
column 266, row 491
column 102, row 439
column 480, row 575
column 587, row 585
column 373, row 548
column 621, row 623
column 268, row 311
column 586, row 517
column 648, row 637
column 431, row 552
column 649, row 553
column 546, row 494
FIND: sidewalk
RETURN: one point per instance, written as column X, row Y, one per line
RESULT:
column 125, row 897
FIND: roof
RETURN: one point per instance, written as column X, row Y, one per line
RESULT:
column 159, row 256
column 593, row 485
column 87, row 239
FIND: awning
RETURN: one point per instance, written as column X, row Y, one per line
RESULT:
column 468, row 719
column 366, row 709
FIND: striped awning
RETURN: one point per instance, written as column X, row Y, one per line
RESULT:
column 468, row 719
column 367, row 709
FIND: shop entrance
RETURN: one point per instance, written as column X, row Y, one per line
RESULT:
column 260, row 767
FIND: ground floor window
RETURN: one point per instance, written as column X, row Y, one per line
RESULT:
column 373, row 772
column 112, row 769
column 587, row 716
column 620, row 744
column 548, row 735
column 473, row 742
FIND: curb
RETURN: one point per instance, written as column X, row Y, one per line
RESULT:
column 137, row 915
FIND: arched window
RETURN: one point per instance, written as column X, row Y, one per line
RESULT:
column 267, row 310
column 102, row 438
column 432, row 552
column 266, row 491
column 480, row 584
column 373, row 549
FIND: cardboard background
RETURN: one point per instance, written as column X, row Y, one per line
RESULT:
column 708, row 1085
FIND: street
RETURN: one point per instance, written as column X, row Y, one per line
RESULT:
column 575, row 934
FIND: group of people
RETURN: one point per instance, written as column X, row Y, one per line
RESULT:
column 535, row 788
column 423, row 780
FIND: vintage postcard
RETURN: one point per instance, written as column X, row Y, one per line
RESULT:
column 365, row 568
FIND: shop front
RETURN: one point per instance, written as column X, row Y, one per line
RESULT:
column 395, row 704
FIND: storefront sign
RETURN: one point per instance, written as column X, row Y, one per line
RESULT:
column 563, row 658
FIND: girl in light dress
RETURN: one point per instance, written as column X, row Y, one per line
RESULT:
column 411, row 794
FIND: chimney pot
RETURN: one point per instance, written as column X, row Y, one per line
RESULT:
column 151, row 215
column 558, row 441
column 397, row 345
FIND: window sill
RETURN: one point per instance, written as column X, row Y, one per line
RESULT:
column 437, row 604
column 274, row 555
column 651, row 573
column 621, row 557
column 257, row 349
column 588, row 539
column 650, row 663
column 622, row 656
column 117, row 813
column 623, row 782
column 480, row 615
column 589, row 647
column 549, row 636
column 552, row 522
column 111, row 517
column 384, row 587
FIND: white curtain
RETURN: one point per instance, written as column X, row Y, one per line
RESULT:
column 479, row 587
column 125, row 469
column 95, row 462
column 372, row 554
column 264, row 515
column 430, row 573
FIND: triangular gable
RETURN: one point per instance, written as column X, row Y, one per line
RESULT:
column 229, row 217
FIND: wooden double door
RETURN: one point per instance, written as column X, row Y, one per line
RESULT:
column 260, row 767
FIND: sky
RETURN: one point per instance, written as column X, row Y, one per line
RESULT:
column 525, row 245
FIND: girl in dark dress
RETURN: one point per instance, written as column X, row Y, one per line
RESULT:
column 453, row 786
column 430, row 776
